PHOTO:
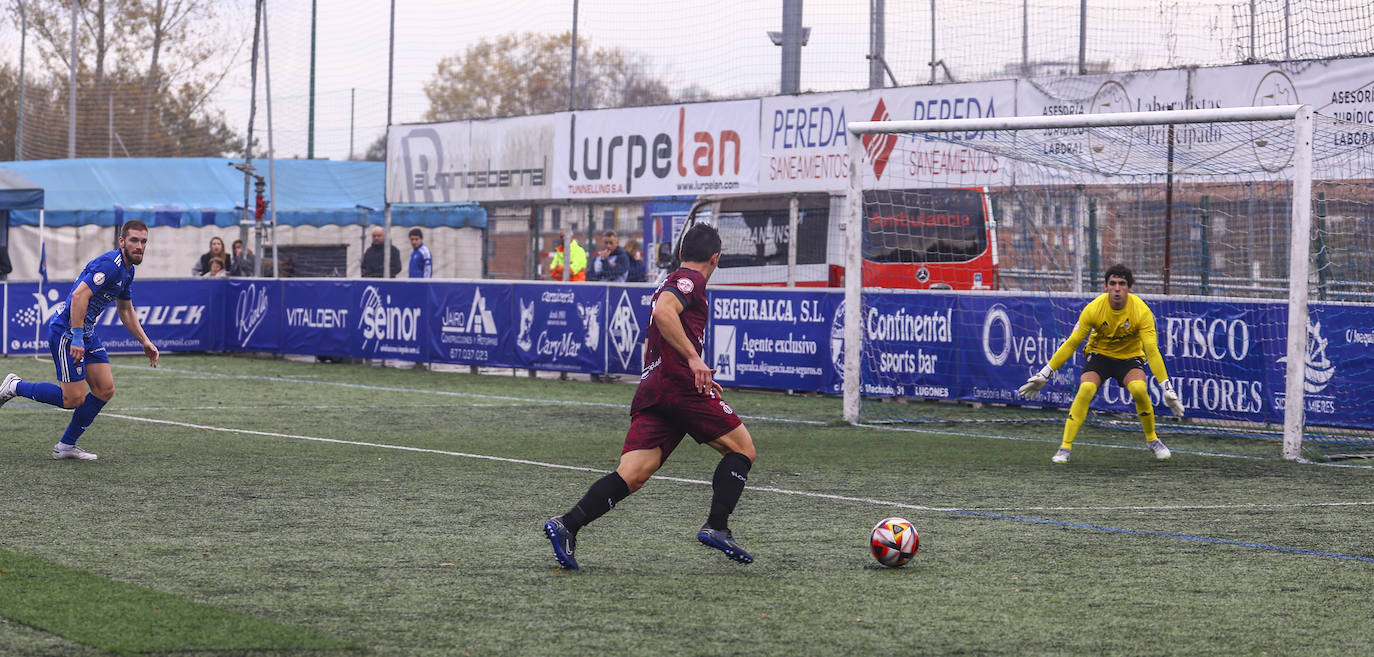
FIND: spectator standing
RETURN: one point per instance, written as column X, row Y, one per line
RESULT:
column 242, row 262
column 374, row 256
column 421, row 262
column 578, row 257
column 636, row 253
column 216, row 250
column 611, row 263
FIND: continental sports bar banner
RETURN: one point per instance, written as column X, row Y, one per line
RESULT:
column 459, row 161
column 665, row 150
column 1225, row 358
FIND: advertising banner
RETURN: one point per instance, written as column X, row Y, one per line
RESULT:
column 28, row 307
column 471, row 324
column 318, row 317
column 487, row 160
column 627, row 321
column 699, row 148
column 912, row 346
column 804, row 145
column 254, row 322
column 391, row 321
column 1337, row 387
column 559, row 327
column 778, row 339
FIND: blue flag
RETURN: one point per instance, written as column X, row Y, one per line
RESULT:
column 43, row 264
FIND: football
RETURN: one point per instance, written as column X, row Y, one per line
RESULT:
column 894, row 542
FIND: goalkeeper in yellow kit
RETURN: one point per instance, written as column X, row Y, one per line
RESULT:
column 1120, row 330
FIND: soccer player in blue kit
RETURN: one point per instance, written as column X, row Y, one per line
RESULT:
column 77, row 351
column 676, row 396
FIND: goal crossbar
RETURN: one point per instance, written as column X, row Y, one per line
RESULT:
column 1112, row 119
column 1301, row 224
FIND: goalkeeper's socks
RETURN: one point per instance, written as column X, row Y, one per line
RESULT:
column 1143, row 407
column 82, row 418
column 1078, row 412
column 600, row 498
column 727, row 485
column 48, row 393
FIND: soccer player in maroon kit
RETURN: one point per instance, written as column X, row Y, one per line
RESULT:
column 676, row 396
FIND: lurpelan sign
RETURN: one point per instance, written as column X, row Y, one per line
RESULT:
column 688, row 149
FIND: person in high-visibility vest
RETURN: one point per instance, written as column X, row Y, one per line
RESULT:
column 579, row 262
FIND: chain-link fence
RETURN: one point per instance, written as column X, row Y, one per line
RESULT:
column 154, row 81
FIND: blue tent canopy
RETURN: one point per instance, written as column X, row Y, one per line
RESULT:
column 206, row 191
column 18, row 192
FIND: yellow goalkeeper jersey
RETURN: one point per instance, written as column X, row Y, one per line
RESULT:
column 1125, row 333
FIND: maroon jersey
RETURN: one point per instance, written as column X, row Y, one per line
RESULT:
column 666, row 374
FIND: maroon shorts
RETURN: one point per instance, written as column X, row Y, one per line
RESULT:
column 664, row 424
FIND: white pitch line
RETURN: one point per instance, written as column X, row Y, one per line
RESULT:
column 701, row 482
column 474, row 395
column 1165, row 507
column 451, row 393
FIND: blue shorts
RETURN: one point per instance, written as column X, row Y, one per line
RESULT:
column 60, row 343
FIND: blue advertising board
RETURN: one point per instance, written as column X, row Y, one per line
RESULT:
column 176, row 315
column 471, row 324
column 318, row 318
column 391, row 321
column 253, row 322
column 559, row 327
column 1225, row 358
column 627, row 322
column 777, row 339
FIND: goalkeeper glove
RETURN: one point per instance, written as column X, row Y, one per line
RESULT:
column 1171, row 398
column 1032, row 386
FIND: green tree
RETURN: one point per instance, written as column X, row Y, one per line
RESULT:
column 145, row 71
column 519, row 74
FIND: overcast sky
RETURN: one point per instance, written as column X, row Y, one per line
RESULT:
column 720, row 45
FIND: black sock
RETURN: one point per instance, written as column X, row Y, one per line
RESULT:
column 600, row 498
column 727, row 486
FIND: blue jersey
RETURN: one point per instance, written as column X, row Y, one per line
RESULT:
column 108, row 278
column 421, row 264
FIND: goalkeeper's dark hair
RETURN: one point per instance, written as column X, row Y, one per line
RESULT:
column 700, row 243
column 1121, row 270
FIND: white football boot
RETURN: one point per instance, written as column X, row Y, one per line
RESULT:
column 64, row 451
column 7, row 389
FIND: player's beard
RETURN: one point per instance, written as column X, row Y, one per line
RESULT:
column 133, row 258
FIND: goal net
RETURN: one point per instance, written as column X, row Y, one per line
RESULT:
column 1248, row 230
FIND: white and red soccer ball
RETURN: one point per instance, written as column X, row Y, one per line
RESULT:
column 894, row 542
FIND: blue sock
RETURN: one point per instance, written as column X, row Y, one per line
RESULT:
column 82, row 417
column 48, row 393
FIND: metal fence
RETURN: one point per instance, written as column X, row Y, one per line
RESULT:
column 337, row 75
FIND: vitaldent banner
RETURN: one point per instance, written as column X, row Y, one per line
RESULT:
column 699, row 148
column 487, row 160
column 804, row 145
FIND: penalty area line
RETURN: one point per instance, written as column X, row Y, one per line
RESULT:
column 772, row 489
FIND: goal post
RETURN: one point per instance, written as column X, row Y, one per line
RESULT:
column 1080, row 187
